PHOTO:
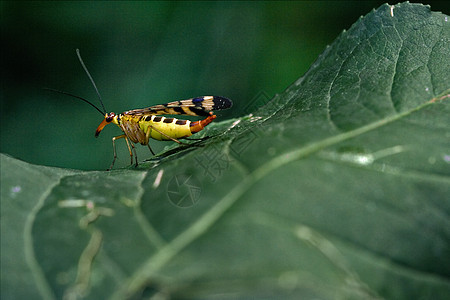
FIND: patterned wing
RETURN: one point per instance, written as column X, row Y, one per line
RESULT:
column 199, row 106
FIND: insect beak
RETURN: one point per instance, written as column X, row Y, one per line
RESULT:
column 101, row 126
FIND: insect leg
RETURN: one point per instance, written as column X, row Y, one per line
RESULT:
column 150, row 148
column 197, row 139
column 135, row 155
column 162, row 133
column 147, row 137
column 114, row 148
column 131, row 152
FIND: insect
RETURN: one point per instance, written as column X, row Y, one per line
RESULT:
column 139, row 125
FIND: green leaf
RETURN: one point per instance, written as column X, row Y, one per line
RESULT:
column 336, row 188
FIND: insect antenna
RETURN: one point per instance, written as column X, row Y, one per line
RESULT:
column 91, row 79
column 78, row 97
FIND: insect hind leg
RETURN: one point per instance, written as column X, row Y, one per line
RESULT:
column 197, row 139
column 150, row 148
column 168, row 137
column 163, row 134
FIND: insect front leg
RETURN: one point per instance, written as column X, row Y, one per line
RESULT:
column 129, row 150
column 114, row 149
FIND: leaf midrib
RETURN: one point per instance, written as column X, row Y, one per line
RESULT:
column 163, row 256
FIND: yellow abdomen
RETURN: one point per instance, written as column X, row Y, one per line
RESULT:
column 161, row 128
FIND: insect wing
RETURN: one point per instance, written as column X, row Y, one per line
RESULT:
column 199, row 106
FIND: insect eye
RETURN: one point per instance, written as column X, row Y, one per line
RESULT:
column 109, row 118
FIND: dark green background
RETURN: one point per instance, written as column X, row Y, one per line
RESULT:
column 146, row 53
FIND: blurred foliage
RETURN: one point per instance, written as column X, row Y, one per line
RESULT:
column 145, row 53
